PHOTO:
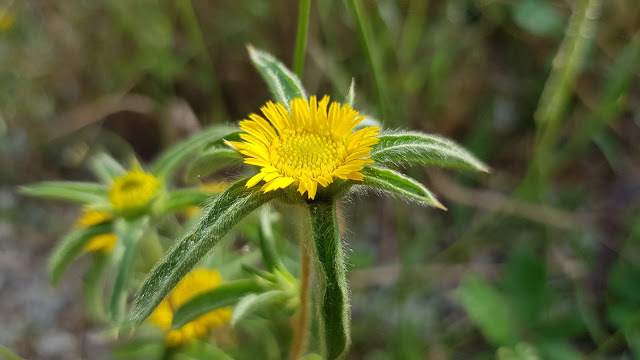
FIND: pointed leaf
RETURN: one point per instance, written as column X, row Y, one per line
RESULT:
column 93, row 294
column 173, row 157
column 106, row 168
column 332, row 291
column 488, row 310
column 268, row 246
column 129, row 234
column 407, row 148
column 252, row 303
column 183, row 198
column 283, row 83
column 224, row 295
column 351, row 95
column 71, row 246
column 211, row 160
column 224, row 212
column 79, row 192
column 396, row 183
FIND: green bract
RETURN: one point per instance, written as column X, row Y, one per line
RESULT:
column 226, row 210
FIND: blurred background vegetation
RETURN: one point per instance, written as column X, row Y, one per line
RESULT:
column 537, row 260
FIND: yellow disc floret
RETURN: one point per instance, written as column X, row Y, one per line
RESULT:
column 192, row 284
column 309, row 146
column 133, row 190
column 101, row 243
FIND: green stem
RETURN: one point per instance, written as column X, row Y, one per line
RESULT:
column 301, row 334
column 558, row 88
column 301, row 37
column 366, row 37
column 93, row 288
column 332, row 294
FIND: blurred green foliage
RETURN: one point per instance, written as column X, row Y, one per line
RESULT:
column 496, row 276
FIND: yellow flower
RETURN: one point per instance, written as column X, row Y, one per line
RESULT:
column 133, row 190
column 194, row 283
column 6, row 20
column 101, row 243
column 313, row 145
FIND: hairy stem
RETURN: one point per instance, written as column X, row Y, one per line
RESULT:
column 332, row 294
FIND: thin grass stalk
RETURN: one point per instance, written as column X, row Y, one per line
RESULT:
column 558, row 88
column 301, row 37
column 373, row 57
column 301, row 333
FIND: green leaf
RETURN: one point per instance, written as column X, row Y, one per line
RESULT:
column 224, row 212
column 332, row 292
column 488, row 310
column 7, row 354
column 106, row 168
column 408, row 148
column 351, row 95
column 183, row 198
column 71, row 246
column 268, row 241
column 253, row 303
column 396, row 183
column 93, row 294
column 173, row 157
column 224, row 295
column 129, row 233
column 211, row 160
column 524, row 283
column 283, row 83
column 79, row 192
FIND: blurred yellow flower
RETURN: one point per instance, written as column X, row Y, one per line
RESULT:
column 101, row 243
column 7, row 19
column 194, row 283
column 133, row 190
column 311, row 146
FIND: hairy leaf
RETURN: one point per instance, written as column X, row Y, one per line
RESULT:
column 129, row 234
column 253, row 303
column 396, row 183
column 173, row 157
column 183, row 198
column 224, row 212
column 406, row 148
column 214, row 299
column 79, row 192
column 106, row 168
column 282, row 82
column 71, row 246
column 211, row 160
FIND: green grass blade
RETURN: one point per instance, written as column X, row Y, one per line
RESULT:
column 252, row 303
column 224, row 212
column 93, row 292
column 224, row 295
column 332, row 292
column 79, row 192
column 176, row 155
column 396, row 183
column 7, row 354
column 129, row 234
column 106, row 168
column 406, row 148
column 284, row 84
column 301, row 37
column 71, row 246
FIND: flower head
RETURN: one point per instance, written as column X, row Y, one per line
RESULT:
column 133, row 190
column 101, row 243
column 312, row 145
column 192, row 284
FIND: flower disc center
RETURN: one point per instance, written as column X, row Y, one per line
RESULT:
column 301, row 152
